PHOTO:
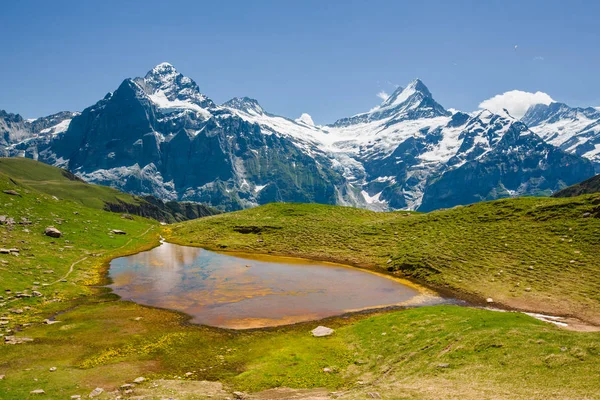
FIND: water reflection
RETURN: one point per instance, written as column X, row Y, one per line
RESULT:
column 233, row 292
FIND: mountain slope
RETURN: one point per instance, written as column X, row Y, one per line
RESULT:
column 588, row 186
column 573, row 129
column 159, row 135
column 64, row 185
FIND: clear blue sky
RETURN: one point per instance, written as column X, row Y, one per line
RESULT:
column 327, row 58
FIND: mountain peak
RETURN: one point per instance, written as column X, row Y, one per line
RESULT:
column 165, row 80
column 401, row 95
column 163, row 68
column 245, row 104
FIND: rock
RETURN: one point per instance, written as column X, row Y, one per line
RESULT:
column 12, row 192
column 52, row 369
column 239, row 395
column 37, row 391
column 389, row 261
column 587, row 215
column 16, row 340
column 327, row 370
column 139, row 379
column 118, row 232
column 96, row 392
column 528, row 289
column 128, row 391
column 320, row 331
column 489, row 300
column 52, row 232
column 126, row 216
column 188, row 374
column 4, row 251
column 76, row 397
column 2, row 377
column 4, row 220
column 36, row 293
column 126, row 386
column 50, row 322
column 443, row 365
column 373, row 395
column 531, row 267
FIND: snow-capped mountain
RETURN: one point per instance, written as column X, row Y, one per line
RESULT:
column 14, row 130
column 573, row 129
column 160, row 135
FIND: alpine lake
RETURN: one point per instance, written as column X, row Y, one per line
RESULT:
column 242, row 291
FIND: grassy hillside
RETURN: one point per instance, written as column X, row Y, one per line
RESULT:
column 57, row 267
column 64, row 185
column 537, row 254
column 589, row 186
column 442, row 352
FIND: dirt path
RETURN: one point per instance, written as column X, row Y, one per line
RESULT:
column 72, row 267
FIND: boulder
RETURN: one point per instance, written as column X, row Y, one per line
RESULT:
column 12, row 192
column 16, row 340
column 37, row 391
column 118, row 232
column 126, row 216
column 320, row 331
column 139, row 380
column 4, row 220
column 96, row 392
column 52, row 232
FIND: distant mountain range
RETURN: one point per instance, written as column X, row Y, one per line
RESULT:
column 159, row 135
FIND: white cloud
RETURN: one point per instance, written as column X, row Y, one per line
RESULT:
column 538, row 58
column 383, row 95
column 597, row 108
column 305, row 119
column 516, row 102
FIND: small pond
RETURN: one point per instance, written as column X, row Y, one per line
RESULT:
column 241, row 292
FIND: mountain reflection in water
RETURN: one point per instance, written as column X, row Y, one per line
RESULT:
column 233, row 292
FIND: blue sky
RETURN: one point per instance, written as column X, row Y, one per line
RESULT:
column 326, row 58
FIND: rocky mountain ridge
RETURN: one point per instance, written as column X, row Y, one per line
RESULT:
column 159, row 135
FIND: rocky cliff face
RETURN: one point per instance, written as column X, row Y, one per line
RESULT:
column 159, row 135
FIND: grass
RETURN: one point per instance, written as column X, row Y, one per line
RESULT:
column 536, row 254
column 105, row 343
column 102, row 341
column 53, row 181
